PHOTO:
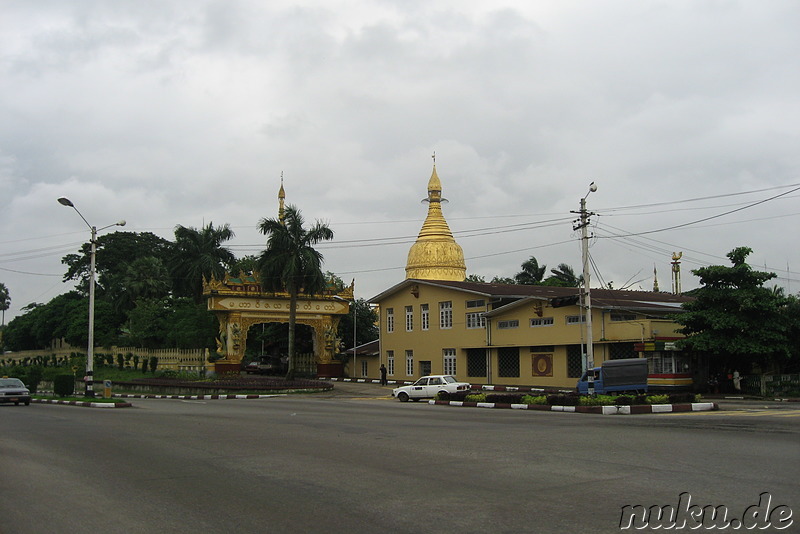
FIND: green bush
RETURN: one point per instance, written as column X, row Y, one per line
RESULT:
column 504, row 398
column 564, row 400
column 658, row 399
column 476, row 397
column 681, row 398
column 530, row 399
column 597, row 400
column 64, row 385
column 624, row 400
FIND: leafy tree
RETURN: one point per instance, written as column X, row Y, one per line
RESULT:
column 290, row 263
column 75, row 326
column 365, row 319
column 150, row 323
column 143, row 278
column 475, row 278
column 791, row 313
column 333, row 282
column 19, row 334
column 66, row 317
column 531, row 273
column 199, row 254
column 734, row 319
column 247, row 264
column 503, row 280
column 114, row 253
column 192, row 326
column 5, row 302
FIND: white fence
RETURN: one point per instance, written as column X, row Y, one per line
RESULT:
column 177, row 359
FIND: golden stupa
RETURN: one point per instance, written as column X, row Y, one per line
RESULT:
column 435, row 255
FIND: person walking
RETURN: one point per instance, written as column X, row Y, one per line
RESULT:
column 384, row 382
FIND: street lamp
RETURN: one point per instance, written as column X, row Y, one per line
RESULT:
column 90, row 351
column 583, row 226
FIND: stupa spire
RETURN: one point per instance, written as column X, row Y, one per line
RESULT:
column 435, row 255
column 281, row 199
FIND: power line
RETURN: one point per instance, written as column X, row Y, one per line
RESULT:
column 711, row 217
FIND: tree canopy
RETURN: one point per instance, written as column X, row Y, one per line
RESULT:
column 198, row 254
column 734, row 319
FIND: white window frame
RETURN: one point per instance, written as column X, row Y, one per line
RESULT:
column 390, row 362
column 409, row 318
column 476, row 320
column 389, row 320
column 425, row 316
column 449, row 361
column 364, row 368
column 409, row 363
column 446, row 315
column 506, row 325
column 537, row 322
column 576, row 319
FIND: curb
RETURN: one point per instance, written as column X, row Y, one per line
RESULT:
column 598, row 410
column 524, row 389
column 84, row 404
column 195, row 397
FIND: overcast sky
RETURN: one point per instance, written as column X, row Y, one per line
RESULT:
column 684, row 113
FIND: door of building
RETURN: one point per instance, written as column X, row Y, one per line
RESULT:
column 425, row 368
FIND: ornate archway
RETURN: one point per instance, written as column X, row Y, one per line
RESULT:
column 239, row 303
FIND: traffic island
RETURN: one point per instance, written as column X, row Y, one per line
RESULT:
column 599, row 410
column 85, row 404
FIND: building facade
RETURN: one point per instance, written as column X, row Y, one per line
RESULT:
column 436, row 322
column 521, row 335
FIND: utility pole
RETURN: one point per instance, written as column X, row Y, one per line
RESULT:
column 583, row 225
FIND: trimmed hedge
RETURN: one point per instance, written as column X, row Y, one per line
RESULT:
column 682, row 398
column 64, row 385
column 505, row 398
column 570, row 399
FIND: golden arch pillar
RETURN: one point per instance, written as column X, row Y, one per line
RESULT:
column 239, row 303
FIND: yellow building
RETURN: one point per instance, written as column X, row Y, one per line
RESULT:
column 436, row 322
column 519, row 335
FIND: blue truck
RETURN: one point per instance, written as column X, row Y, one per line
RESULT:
column 616, row 376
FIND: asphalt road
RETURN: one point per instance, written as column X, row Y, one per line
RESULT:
column 355, row 461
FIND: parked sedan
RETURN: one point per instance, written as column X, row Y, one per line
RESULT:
column 13, row 390
column 428, row 386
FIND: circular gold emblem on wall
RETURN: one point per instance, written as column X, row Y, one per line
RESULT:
column 543, row 365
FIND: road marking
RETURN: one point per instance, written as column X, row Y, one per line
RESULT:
column 741, row 413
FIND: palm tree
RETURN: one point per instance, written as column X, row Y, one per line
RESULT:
column 5, row 301
column 564, row 276
column 291, row 264
column 198, row 254
column 531, row 274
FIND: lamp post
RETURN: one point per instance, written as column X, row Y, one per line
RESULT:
column 583, row 226
column 90, row 351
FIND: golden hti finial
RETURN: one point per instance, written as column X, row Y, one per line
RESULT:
column 281, row 198
column 435, row 255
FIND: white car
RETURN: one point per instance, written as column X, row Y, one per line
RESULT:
column 428, row 386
